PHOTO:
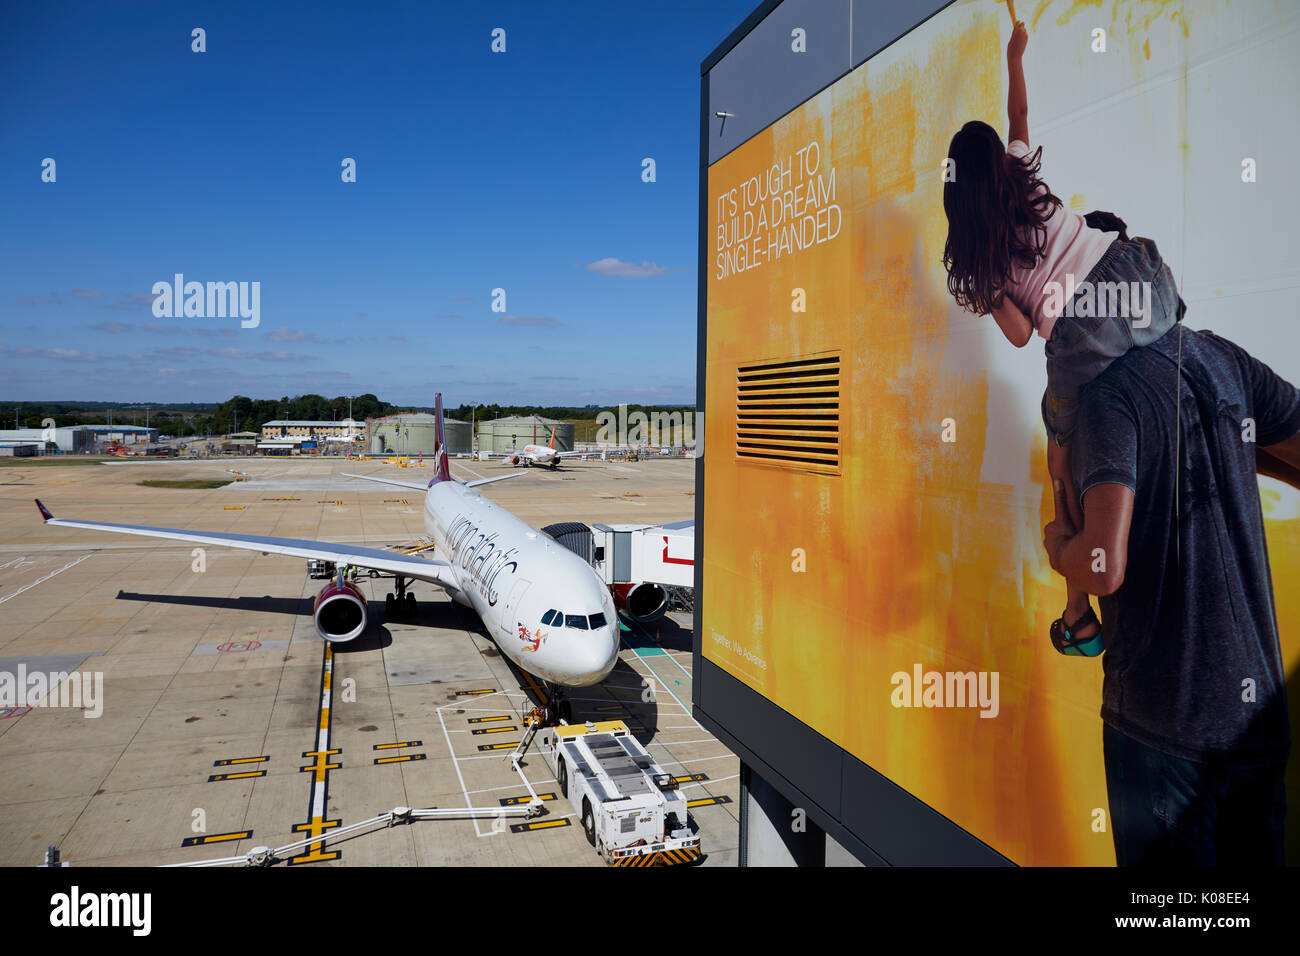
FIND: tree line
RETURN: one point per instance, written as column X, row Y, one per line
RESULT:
column 241, row 413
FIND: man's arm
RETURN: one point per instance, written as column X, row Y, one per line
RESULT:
column 1092, row 559
column 1281, row 461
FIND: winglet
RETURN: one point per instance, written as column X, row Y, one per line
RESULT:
column 45, row 512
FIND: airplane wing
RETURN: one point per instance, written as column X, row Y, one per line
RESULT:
column 424, row 487
column 417, row 485
column 488, row 481
column 410, row 566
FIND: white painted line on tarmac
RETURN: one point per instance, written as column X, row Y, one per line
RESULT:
column 661, row 681
column 456, row 763
column 28, row 587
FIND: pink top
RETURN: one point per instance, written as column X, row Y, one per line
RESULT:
column 1072, row 248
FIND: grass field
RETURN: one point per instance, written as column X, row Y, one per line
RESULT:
column 191, row 483
column 49, row 461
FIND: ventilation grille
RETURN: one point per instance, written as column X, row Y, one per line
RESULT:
column 788, row 413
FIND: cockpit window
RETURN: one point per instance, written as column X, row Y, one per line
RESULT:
column 576, row 620
column 550, row 616
column 597, row 620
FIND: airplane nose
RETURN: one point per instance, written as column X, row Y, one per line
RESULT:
column 595, row 654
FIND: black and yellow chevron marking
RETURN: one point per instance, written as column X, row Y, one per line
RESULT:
column 217, row 838
column 661, row 858
column 486, row 720
column 511, row 746
column 495, row 730
column 540, row 825
column 708, row 801
column 237, row 776
column 516, row 801
column 474, row 693
column 237, row 760
column 691, row 778
column 397, row 746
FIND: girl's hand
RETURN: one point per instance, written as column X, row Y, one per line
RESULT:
column 1019, row 39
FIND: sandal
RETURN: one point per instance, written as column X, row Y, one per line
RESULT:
column 1063, row 638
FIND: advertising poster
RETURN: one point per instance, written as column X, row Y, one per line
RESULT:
column 876, row 467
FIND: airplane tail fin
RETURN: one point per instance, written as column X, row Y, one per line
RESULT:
column 552, row 444
column 440, row 443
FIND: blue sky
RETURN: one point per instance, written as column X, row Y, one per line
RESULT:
column 475, row 171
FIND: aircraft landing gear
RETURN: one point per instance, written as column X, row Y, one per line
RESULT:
column 555, row 710
column 401, row 604
column 558, row 707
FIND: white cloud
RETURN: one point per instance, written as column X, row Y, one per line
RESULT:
column 618, row 269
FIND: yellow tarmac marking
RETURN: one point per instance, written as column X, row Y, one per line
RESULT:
column 319, row 769
column 511, row 746
column 474, row 693
column 541, row 825
column 484, row 720
column 398, row 745
column 400, row 758
column 516, row 801
column 236, row 776
column 708, row 801
column 690, row 777
column 236, row 507
column 235, row 760
column 495, row 730
column 217, row 838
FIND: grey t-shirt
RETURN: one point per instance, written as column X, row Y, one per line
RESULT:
column 1194, row 618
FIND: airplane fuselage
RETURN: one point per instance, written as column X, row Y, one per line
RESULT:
column 514, row 577
column 537, row 455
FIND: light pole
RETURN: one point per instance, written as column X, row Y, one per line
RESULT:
column 473, row 437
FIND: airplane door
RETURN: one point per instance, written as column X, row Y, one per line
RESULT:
column 509, row 622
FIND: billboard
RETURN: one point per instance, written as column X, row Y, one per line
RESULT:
column 872, row 552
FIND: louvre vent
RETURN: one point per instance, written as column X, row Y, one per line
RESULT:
column 788, row 413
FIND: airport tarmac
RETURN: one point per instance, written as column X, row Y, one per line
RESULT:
column 216, row 689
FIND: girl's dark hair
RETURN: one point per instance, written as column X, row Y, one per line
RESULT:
column 992, row 219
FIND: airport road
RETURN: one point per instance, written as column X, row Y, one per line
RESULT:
column 208, row 743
